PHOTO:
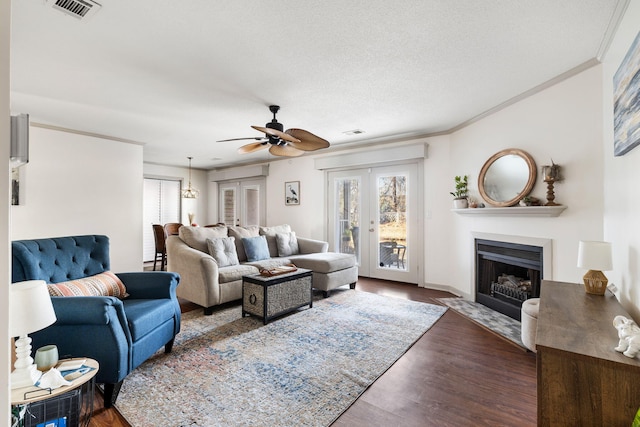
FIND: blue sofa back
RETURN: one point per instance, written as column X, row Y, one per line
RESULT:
column 59, row 259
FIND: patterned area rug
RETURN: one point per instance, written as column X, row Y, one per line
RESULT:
column 490, row 319
column 304, row 369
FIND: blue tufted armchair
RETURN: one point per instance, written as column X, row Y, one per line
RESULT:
column 119, row 334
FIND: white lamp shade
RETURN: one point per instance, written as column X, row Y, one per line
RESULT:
column 30, row 307
column 595, row 255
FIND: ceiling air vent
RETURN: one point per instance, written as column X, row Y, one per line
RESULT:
column 80, row 9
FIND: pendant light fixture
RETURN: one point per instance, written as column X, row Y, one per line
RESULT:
column 190, row 192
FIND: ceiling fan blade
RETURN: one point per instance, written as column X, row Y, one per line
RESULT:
column 256, row 138
column 285, row 151
column 308, row 141
column 250, row 148
column 277, row 134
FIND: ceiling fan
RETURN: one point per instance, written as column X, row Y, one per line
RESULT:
column 290, row 143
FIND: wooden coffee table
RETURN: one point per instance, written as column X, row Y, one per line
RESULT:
column 268, row 297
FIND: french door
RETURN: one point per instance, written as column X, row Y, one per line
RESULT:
column 373, row 213
column 242, row 203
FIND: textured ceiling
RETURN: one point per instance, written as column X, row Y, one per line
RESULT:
column 178, row 76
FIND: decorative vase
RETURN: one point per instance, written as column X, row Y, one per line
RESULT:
column 460, row 203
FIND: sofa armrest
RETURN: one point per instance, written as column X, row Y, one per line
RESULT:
column 88, row 310
column 94, row 327
column 311, row 246
column 198, row 272
column 150, row 284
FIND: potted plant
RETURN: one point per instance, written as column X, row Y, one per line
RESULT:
column 460, row 200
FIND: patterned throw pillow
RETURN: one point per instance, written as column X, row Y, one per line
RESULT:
column 256, row 248
column 104, row 284
column 287, row 244
column 223, row 250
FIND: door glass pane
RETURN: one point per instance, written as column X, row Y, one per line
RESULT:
column 347, row 191
column 229, row 206
column 252, row 206
column 392, row 221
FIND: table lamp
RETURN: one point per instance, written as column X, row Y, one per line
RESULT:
column 595, row 257
column 30, row 309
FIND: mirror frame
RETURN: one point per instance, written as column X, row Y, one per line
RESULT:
column 527, row 188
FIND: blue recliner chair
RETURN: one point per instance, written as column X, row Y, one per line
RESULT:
column 119, row 334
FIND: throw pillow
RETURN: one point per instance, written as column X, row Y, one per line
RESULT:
column 223, row 250
column 271, row 232
column 239, row 233
column 196, row 237
column 287, row 244
column 104, row 284
column 256, row 248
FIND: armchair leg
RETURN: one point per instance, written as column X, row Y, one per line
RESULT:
column 111, row 392
column 352, row 285
column 325, row 294
column 169, row 346
column 208, row 311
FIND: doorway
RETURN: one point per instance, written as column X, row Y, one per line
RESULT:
column 373, row 214
column 242, row 202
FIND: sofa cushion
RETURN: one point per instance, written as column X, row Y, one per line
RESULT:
column 271, row 232
column 256, row 248
column 144, row 315
column 325, row 262
column 235, row 272
column 104, row 284
column 196, row 237
column 287, row 244
column 239, row 233
column 223, row 250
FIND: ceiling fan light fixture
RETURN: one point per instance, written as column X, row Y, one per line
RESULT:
column 190, row 192
column 290, row 143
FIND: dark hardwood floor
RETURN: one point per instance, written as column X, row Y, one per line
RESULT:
column 456, row 374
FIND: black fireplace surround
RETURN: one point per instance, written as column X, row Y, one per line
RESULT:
column 513, row 260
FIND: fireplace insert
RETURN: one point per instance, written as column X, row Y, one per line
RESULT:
column 507, row 274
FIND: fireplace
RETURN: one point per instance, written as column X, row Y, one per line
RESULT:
column 507, row 274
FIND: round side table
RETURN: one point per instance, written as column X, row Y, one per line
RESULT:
column 73, row 402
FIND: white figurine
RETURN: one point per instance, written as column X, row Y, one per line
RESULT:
column 629, row 334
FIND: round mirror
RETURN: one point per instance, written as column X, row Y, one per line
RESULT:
column 507, row 177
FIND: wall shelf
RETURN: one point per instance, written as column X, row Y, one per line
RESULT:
column 548, row 211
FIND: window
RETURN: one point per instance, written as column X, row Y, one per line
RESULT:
column 161, row 205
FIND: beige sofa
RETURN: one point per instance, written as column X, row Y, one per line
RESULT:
column 212, row 260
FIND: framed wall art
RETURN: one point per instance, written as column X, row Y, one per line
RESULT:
column 292, row 193
column 626, row 101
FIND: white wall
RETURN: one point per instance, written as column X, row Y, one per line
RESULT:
column 563, row 123
column 199, row 206
column 308, row 218
column 438, row 220
column 621, row 178
column 5, row 253
column 76, row 184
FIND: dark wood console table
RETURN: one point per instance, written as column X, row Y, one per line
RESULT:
column 582, row 380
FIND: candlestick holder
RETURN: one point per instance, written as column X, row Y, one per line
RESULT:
column 550, row 194
column 551, row 174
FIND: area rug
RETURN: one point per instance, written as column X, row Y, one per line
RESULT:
column 497, row 322
column 303, row 369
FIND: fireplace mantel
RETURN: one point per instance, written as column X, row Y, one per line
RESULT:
column 548, row 211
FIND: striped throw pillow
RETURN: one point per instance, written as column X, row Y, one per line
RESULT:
column 103, row 284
